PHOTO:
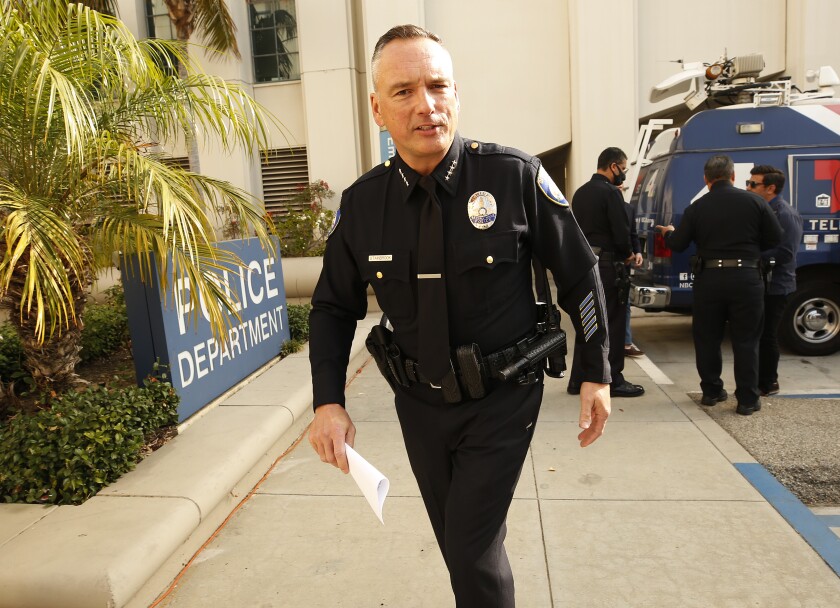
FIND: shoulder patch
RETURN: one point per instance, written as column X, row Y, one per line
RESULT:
column 550, row 189
column 336, row 219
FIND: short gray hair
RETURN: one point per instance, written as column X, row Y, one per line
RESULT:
column 718, row 167
column 398, row 32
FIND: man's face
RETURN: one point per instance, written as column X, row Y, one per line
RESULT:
column 417, row 101
column 756, row 184
column 619, row 172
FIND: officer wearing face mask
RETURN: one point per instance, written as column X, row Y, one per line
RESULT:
column 599, row 209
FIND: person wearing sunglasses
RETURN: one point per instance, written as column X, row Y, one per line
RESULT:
column 731, row 228
column 768, row 183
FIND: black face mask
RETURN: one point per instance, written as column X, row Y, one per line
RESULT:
column 619, row 179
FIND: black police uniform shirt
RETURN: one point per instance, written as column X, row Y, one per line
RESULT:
column 727, row 223
column 600, row 212
column 488, row 273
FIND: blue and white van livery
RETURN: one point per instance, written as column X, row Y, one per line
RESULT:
column 799, row 134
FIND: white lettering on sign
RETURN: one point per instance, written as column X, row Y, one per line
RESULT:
column 261, row 283
column 826, row 225
column 196, row 362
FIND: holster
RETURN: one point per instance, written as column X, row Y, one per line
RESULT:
column 473, row 374
column 533, row 352
column 380, row 344
column 696, row 265
column 767, row 267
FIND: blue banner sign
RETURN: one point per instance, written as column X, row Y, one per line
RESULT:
column 201, row 366
column 387, row 149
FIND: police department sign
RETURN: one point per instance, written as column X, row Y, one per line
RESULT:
column 203, row 367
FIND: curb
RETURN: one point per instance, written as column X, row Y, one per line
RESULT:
column 102, row 552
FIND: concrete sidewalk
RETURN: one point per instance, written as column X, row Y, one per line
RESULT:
column 654, row 514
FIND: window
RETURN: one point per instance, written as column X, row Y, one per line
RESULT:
column 274, row 40
column 284, row 173
column 158, row 23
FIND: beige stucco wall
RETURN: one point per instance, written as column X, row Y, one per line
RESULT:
column 671, row 31
column 512, row 69
column 535, row 75
column 329, row 91
column 812, row 39
column 603, row 76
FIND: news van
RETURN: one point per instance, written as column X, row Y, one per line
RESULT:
column 768, row 124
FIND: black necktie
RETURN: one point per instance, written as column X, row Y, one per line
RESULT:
column 433, row 330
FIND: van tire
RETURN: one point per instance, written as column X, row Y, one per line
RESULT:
column 811, row 322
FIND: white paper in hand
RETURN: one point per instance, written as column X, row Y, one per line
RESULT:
column 373, row 484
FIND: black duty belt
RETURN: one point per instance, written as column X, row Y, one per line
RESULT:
column 604, row 256
column 492, row 364
column 730, row 263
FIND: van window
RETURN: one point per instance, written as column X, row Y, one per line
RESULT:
column 648, row 189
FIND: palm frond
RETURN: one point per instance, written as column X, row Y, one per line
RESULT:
column 82, row 105
column 218, row 31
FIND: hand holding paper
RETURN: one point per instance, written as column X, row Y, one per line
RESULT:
column 373, row 484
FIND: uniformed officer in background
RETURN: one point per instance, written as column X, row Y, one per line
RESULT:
column 731, row 228
column 600, row 211
column 496, row 208
column 768, row 183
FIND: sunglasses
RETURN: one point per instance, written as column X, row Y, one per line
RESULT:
column 753, row 184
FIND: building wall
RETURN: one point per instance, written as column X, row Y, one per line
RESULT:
column 542, row 75
column 812, row 39
column 512, row 69
column 603, row 77
column 669, row 32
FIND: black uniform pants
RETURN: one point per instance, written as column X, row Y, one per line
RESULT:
column 617, row 324
column 467, row 459
column 734, row 295
column 768, row 348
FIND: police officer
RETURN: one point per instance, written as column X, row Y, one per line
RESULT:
column 600, row 211
column 731, row 227
column 496, row 208
column 768, row 182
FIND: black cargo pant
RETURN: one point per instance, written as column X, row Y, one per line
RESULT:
column 734, row 295
column 467, row 459
column 768, row 349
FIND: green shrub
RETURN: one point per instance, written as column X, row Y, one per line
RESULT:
column 11, row 354
column 85, row 440
column 298, row 329
column 106, row 326
column 303, row 232
column 105, row 331
column 299, row 321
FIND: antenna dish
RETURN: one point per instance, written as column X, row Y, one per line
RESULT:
column 680, row 82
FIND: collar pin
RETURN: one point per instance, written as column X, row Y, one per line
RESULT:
column 451, row 169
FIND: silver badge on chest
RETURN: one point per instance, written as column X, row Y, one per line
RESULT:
column 481, row 209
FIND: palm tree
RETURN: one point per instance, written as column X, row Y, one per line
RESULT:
column 79, row 96
column 211, row 18
column 213, row 21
